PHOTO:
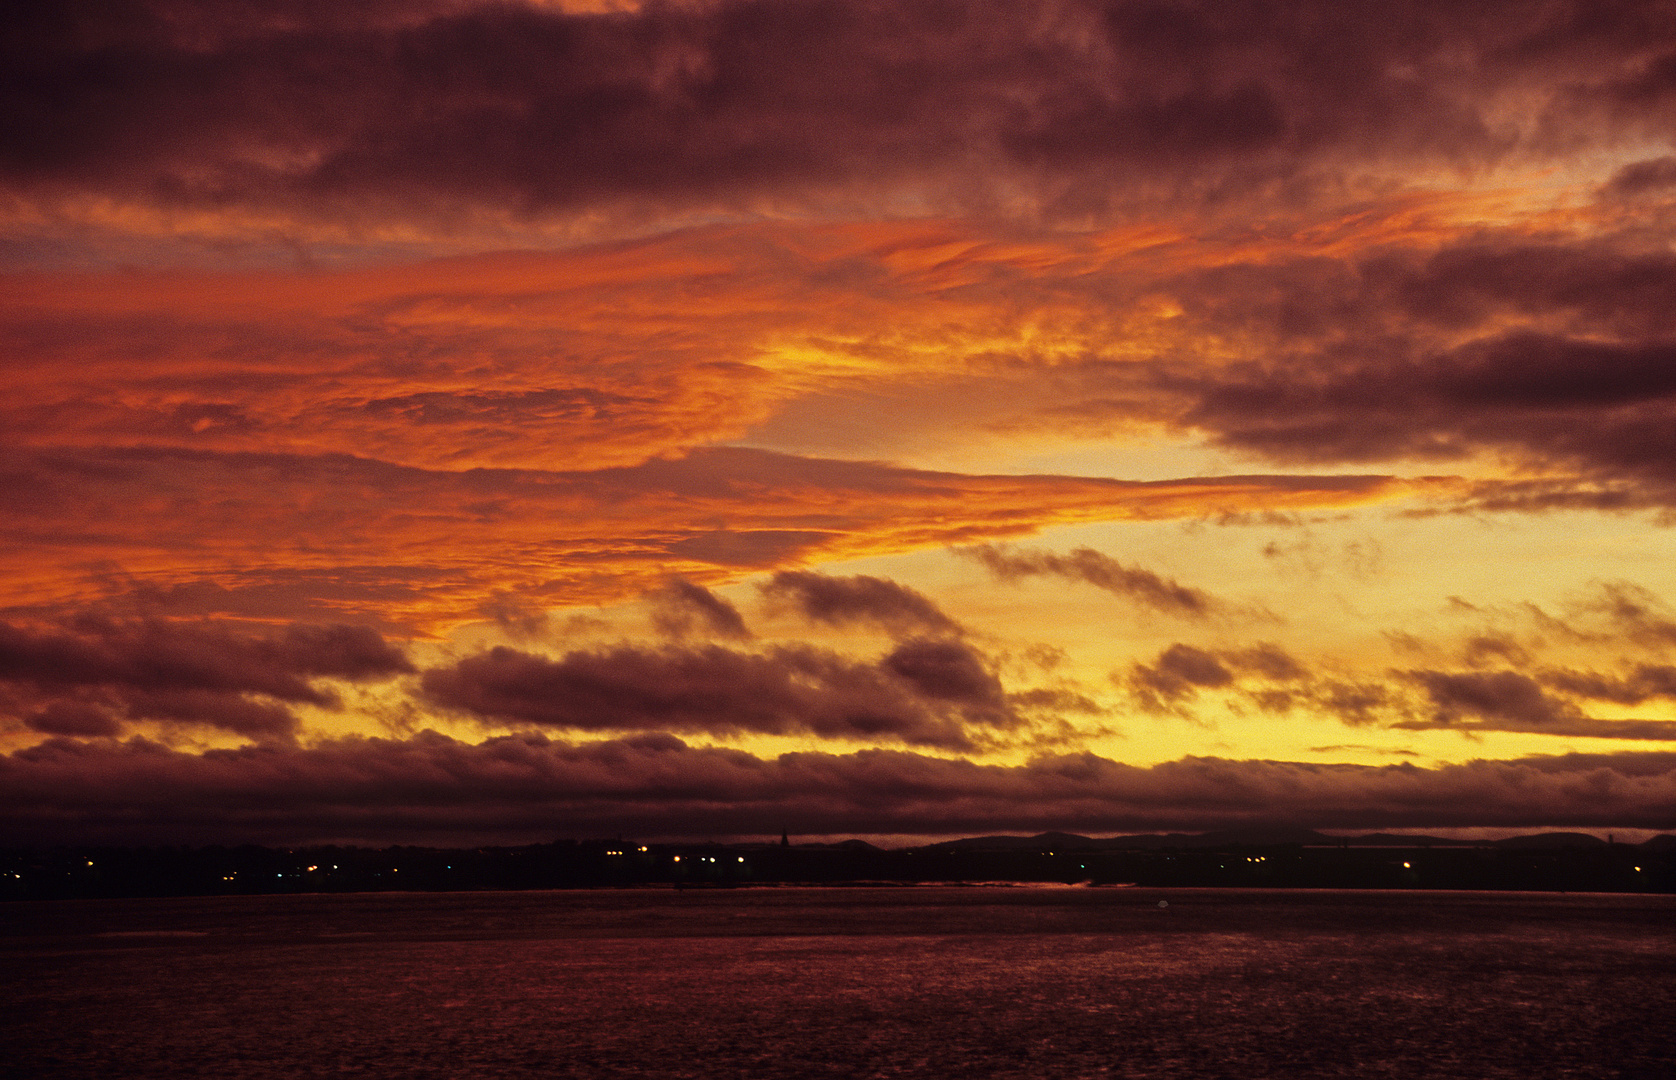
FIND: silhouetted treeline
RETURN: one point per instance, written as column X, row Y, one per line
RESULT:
column 1557, row 862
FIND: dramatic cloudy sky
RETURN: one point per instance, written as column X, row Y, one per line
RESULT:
column 446, row 421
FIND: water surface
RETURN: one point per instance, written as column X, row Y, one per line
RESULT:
column 923, row 982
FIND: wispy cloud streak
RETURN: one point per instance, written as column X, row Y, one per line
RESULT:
column 1101, row 571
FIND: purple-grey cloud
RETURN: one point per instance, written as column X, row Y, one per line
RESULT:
column 432, row 789
column 1177, row 675
column 1644, row 682
column 1543, row 701
column 858, row 598
column 89, row 676
column 1101, row 571
column 444, row 105
column 924, row 692
column 681, row 607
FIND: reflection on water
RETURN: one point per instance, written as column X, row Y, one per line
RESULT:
column 841, row 983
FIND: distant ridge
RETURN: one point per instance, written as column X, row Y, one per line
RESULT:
column 1049, row 841
column 1058, row 841
column 1380, row 839
column 1271, row 837
column 1288, row 858
column 1551, row 840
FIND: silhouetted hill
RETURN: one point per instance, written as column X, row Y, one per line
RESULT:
column 1399, row 840
column 1549, row 840
column 1236, row 858
column 1260, row 837
column 1058, row 841
column 1044, row 842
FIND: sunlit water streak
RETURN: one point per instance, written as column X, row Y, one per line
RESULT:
column 929, row 982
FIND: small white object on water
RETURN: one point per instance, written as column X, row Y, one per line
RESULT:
column 1163, row 904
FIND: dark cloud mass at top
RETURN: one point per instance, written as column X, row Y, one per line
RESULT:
column 388, row 111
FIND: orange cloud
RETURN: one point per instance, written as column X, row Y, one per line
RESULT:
column 820, row 281
column 797, row 336
column 251, row 533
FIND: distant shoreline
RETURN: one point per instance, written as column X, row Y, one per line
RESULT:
column 1551, row 862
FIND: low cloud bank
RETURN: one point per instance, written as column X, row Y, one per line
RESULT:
column 433, row 789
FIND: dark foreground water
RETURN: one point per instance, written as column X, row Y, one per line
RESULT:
column 929, row 982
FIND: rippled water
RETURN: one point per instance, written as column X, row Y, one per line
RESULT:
column 930, row 982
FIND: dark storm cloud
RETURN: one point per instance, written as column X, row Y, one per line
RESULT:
column 1178, row 673
column 1557, row 355
column 529, row 108
column 1101, row 571
column 168, row 656
column 1511, row 684
column 78, row 718
column 1634, row 613
column 1642, row 178
column 1056, row 700
column 924, row 692
column 859, row 598
column 1511, row 701
column 1173, row 681
column 1620, row 616
column 944, row 671
column 681, row 606
column 1267, row 660
column 1577, row 493
column 1644, row 683
column 1481, row 649
column 432, row 789
column 1494, row 697
column 88, row 676
column 1539, row 701
column 1523, row 392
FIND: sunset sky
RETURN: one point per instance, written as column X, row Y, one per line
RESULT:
column 433, row 421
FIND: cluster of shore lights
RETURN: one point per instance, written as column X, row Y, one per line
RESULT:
column 702, row 858
column 641, row 849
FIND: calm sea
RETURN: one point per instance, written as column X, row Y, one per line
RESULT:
column 923, row 982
